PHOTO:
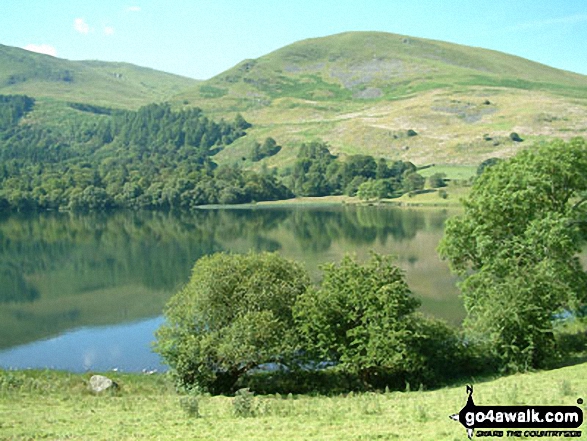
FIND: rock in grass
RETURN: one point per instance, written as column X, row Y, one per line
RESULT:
column 100, row 383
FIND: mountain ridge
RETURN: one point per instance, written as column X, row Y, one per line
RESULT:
column 114, row 84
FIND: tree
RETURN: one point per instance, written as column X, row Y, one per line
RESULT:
column 234, row 315
column 490, row 162
column 375, row 189
column 437, row 180
column 382, row 171
column 362, row 318
column 413, row 181
column 241, row 123
column 269, row 148
column 516, row 247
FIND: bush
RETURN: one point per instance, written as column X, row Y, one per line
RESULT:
column 437, row 180
column 243, row 404
column 363, row 320
column 190, row 405
column 515, row 137
column 490, row 162
column 234, row 314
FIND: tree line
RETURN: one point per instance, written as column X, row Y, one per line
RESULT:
column 257, row 321
column 159, row 158
column 317, row 172
column 153, row 158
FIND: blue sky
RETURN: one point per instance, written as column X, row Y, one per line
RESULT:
column 201, row 38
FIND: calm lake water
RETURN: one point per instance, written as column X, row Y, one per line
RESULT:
column 86, row 292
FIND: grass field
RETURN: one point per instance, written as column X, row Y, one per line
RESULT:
column 55, row 405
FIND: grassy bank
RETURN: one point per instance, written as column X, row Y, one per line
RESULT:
column 433, row 198
column 428, row 198
column 54, row 405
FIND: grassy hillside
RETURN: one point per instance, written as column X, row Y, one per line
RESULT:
column 370, row 65
column 363, row 91
column 118, row 85
column 147, row 407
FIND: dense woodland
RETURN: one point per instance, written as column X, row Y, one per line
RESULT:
column 159, row 158
column 319, row 173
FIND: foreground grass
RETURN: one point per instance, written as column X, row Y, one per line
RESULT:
column 54, row 405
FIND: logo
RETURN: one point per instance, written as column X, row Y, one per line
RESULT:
column 474, row 417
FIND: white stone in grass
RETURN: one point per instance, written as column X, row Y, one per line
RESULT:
column 100, row 383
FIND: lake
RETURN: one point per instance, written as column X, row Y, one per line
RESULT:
column 86, row 292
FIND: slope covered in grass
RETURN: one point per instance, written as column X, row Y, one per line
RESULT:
column 363, row 91
column 120, row 85
column 147, row 407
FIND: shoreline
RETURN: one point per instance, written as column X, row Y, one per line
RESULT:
column 422, row 200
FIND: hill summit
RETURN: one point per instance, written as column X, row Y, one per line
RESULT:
column 365, row 91
column 375, row 65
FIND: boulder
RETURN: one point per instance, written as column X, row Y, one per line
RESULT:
column 100, row 383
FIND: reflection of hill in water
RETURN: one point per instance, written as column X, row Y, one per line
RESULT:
column 60, row 271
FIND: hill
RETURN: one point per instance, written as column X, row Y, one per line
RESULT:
column 119, row 85
column 363, row 91
column 381, row 94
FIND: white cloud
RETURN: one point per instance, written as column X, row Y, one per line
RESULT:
column 42, row 49
column 108, row 30
column 134, row 9
column 80, row 25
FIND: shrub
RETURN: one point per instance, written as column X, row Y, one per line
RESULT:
column 515, row 137
column 234, row 315
column 190, row 405
column 437, row 180
column 363, row 320
column 243, row 404
column 490, row 162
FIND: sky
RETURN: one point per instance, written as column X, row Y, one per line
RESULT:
column 202, row 38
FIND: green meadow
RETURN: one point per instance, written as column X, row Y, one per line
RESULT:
column 56, row 405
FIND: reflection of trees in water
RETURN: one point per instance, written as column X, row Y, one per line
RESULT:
column 13, row 286
column 315, row 230
column 399, row 224
column 81, row 253
column 89, row 252
column 437, row 218
column 242, row 224
column 92, row 252
column 59, row 270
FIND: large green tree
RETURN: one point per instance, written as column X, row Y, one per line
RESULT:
column 516, row 248
column 234, row 315
column 363, row 319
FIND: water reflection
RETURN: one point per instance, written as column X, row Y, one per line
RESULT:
column 60, row 271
